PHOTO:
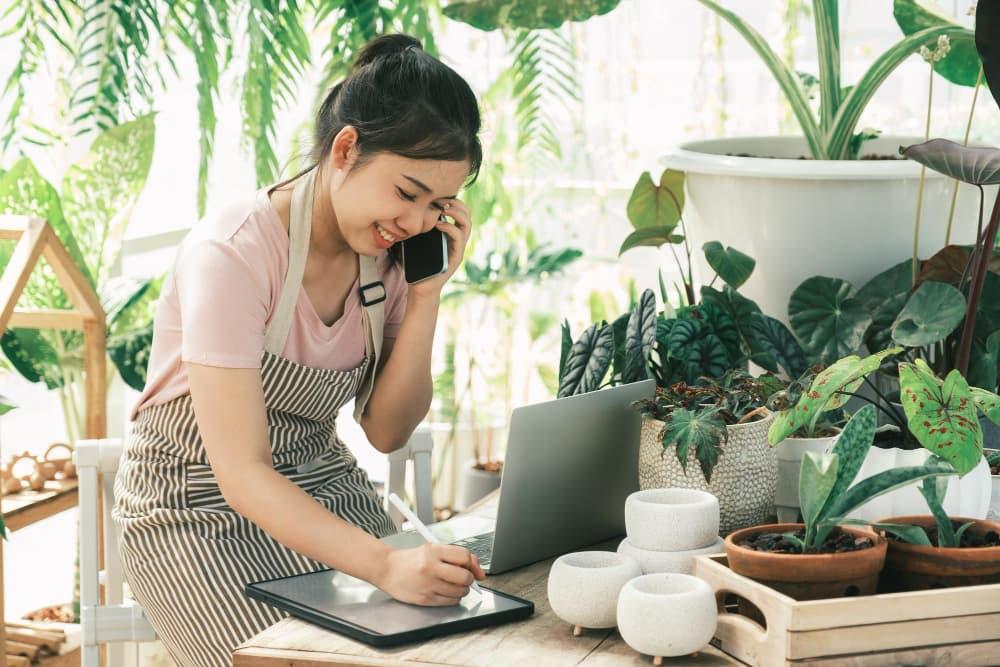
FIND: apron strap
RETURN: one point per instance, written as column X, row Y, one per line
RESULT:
column 299, row 229
column 373, row 302
column 372, row 290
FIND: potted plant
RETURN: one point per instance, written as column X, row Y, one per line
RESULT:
column 712, row 436
column 776, row 205
column 939, row 551
column 993, row 460
column 822, row 557
column 941, row 418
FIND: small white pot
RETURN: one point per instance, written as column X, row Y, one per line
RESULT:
column 994, row 512
column 968, row 496
column 583, row 587
column 790, row 453
column 672, row 519
column 659, row 562
column 667, row 614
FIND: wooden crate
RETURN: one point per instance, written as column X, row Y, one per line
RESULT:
column 952, row 626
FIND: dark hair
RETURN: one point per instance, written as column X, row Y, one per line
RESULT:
column 401, row 100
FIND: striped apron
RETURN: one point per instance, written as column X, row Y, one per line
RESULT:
column 187, row 554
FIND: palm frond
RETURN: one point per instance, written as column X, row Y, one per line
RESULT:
column 544, row 76
column 278, row 51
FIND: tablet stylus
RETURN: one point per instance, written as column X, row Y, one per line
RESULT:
column 420, row 527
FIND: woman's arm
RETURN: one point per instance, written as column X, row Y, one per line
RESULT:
column 229, row 408
column 403, row 387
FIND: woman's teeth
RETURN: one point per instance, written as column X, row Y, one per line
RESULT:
column 384, row 234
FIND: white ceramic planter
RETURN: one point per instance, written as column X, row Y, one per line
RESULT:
column 583, row 587
column 790, row 452
column 660, row 562
column 994, row 512
column 801, row 218
column 667, row 614
column 744, row 478
column 968, row 496
column 672, row 519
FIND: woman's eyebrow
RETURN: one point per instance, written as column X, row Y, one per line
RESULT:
column 423, row 187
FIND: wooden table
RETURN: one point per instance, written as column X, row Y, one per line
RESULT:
column 539, row 641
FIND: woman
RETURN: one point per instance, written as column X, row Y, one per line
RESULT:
column 279, row 311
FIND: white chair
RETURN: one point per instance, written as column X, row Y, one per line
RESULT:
column 120, row 620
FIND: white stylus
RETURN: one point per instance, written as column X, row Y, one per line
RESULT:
column 419, row 526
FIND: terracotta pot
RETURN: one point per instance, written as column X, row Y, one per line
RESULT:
column 809, row 576
column 911, row 567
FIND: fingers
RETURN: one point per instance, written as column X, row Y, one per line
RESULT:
column 477, row 569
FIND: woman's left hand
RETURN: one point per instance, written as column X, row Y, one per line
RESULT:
column 458, row 237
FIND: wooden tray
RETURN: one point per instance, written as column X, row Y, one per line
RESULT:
column 951, row 626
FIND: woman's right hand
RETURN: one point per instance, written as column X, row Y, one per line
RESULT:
column 431, row 574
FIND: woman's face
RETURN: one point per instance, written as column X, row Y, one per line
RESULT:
column 389, row 197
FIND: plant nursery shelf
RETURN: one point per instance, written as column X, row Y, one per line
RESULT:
column 959, row 626
column 25, row 508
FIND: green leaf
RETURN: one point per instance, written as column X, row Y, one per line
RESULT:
column 852, row 448
column 987, row 402
column 910, row 534
column 649, row 236
column 779, row 343
column 878, row 336
column 740, row 310
column 817, row 399
column 130, row 355
column 525, row 14
column 988, row 45
column 704, row 430
column 817, row 475
column 933, row 490
column 699, row 348
column 99, row 191
column 725, row 329
column 566, row 342
column 732, row 265
column 827, row 318
column 942, row 417
column 961, row 65
column 588, row 361
column 879, row 484
column 969, row 164
column 984, row 364
column 120, row 294
column 640, row 336
column 32, row 356
column 660, row 206
column 887, row 285
column 931, row 313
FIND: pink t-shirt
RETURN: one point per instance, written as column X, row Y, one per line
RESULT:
column 221, row 295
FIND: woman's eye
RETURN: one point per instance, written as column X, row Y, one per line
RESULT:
column 406, row 196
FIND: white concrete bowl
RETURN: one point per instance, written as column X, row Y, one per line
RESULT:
column 667, row 615
column 672, row 519
column 678, row 562
column 584, row 586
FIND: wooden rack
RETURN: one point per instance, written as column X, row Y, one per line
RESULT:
column 36, row 239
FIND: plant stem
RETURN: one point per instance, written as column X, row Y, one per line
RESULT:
column 923, row 173
column 965, row 142
column 979, row 239
column 984, row 250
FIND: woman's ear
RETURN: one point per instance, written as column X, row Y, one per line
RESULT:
column 344, row 150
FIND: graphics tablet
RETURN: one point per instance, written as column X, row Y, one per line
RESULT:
column 357, row 609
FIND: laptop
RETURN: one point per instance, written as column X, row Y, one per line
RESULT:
column 570, row 465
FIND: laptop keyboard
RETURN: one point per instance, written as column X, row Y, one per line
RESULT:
column 481, row 545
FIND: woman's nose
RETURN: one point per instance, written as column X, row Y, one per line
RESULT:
column 415, row 222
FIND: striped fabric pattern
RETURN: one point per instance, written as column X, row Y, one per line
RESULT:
column 187, row 554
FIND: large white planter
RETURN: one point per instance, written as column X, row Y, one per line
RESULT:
column 968, row 496
column 799, row 218
column 790, row 453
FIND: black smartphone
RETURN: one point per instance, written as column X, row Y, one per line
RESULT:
column 424, row 255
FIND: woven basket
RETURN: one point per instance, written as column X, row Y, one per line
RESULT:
column 744, row 478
